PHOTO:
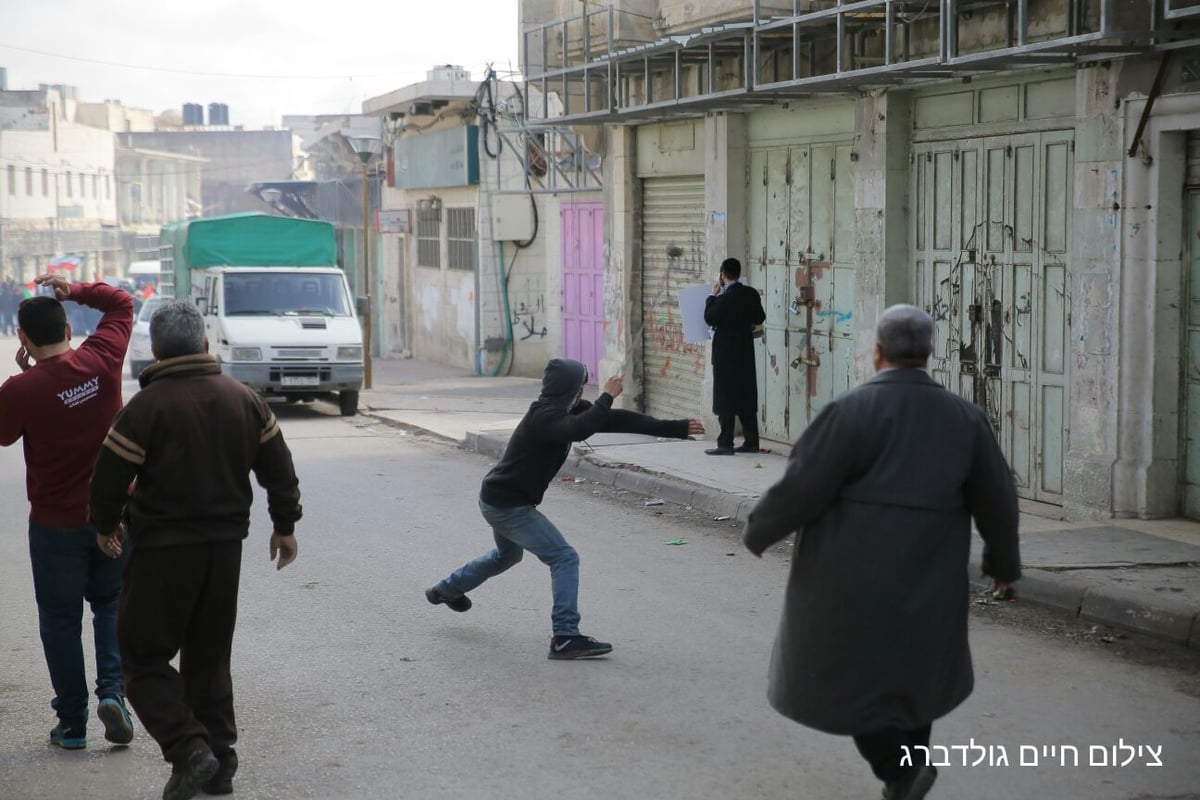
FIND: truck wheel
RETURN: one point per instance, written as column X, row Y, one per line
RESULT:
column 348, row 403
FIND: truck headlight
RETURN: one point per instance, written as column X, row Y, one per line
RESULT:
column 245, row 354
column 350, row 353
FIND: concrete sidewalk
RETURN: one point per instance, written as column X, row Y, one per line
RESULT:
column 1141, row 575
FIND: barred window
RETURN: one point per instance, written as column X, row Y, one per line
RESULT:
column 429, row 236
column 461, row 237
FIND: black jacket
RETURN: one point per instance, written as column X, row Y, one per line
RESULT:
column 733, row 315
column 191, row 438
column 542, row 440
column 881, row 489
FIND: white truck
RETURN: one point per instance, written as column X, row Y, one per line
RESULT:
column 278, row 312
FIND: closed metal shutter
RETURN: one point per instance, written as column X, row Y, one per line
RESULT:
column 672, row 258
column 1193, row 158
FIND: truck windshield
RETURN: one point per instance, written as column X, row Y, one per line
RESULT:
column 276, row 293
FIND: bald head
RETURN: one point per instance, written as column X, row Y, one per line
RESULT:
column 903, row 337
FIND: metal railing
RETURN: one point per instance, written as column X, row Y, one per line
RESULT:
column 828, row 46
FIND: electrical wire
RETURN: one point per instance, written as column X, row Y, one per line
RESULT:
column 203, row 73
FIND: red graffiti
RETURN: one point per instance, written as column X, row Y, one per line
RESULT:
column 662, row 373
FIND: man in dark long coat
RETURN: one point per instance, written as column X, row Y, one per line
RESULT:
column 881, row 488
column 732, row 311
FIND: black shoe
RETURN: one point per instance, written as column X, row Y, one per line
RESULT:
column 563, row 648
column 460, row 603
column 913, row 786
column 222, row 781
column 720, row 451
column 188, row 775
column 747, row 449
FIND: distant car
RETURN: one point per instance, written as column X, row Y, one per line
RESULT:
column 140, row 356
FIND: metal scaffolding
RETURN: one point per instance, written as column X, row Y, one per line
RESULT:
column 830, row 46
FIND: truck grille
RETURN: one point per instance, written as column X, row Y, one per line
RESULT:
column 299, row 354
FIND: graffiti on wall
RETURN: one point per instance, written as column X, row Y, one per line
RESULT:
column 685, row 266
column 525, row 319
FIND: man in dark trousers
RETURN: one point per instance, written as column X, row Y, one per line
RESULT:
column 514, row 488
column 733, row 310
column 189, row 439
column 61, row 404
column 881, row 489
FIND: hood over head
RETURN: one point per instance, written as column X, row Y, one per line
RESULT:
column 562, row 381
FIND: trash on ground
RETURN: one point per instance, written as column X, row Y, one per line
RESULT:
column 675, row 541
column 581, row 480
column 721, row 518
column 658, row 501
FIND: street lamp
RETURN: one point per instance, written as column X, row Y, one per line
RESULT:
column 365, row 146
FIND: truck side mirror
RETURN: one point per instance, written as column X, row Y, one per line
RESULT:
column 360, row 306
column 202, row 304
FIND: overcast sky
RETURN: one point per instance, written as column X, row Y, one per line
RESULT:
column 159, row 54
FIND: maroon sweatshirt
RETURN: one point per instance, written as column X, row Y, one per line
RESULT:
column 63, row 407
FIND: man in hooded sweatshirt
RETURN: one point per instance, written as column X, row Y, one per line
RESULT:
column 514, row 488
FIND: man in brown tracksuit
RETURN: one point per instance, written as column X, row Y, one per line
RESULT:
column 189, row 439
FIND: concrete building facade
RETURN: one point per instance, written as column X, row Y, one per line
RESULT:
column 58, row 194
column 1027, row 179
column 469, row 248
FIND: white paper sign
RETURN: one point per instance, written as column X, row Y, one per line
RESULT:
column 691, row 308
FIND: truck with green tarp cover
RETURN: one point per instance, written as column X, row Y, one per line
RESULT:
column 277, row 309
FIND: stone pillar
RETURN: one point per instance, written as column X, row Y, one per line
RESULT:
column 1095, row 310
column 623, row 269
column 725, row 157
column 883, row 124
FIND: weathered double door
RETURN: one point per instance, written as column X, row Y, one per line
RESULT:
column 991, row 234
column 801, row 251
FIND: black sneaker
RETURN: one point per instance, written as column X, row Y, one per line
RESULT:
column 913, row 786
column 460, row 603
column 222, row 781
column 563, row 648
column 745, row 448
column 720, row 451
column 189, row 774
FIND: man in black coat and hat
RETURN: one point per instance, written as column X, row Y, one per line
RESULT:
column 881, row 489
column 732, row 311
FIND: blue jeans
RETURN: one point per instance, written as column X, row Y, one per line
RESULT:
column 69, row 568
column 515, row 531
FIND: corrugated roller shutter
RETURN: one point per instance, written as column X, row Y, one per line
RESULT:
column 672, row 223
column 1193, row 158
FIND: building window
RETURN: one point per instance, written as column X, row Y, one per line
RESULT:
column 70, row 184
column 108, row 187
column 45, row 183
column 82, row 188
column 12, row 179
column 429, row 236
column 95, row 185
column 460, row 232
column 29, row 181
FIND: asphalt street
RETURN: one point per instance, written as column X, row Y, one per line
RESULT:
column 349, row 685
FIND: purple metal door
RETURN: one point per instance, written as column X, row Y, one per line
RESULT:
column 583, row 283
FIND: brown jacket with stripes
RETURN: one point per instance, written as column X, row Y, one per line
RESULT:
column 178, row 459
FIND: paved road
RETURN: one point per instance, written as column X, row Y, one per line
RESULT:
column 349, row 685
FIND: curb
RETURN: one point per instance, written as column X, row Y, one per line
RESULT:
column 1166, row 621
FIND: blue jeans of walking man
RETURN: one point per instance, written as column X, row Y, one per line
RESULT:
column 68, row 568
column 516, row 530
